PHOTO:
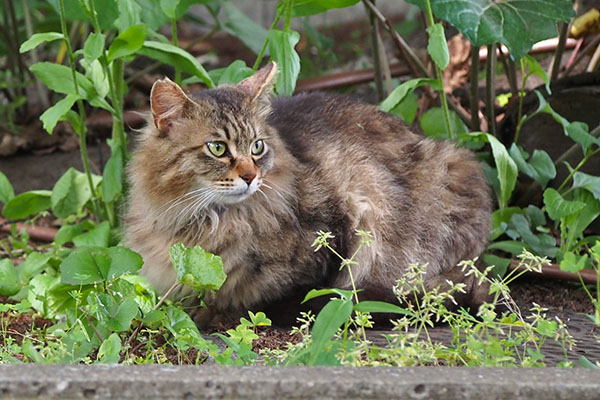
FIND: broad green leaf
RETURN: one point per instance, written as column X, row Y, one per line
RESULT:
column 6, row 189
column 52, row 115
column 85, row 266
column 120, row 319
column 93, row 47
column 500, row 264
column 129, row 14
column 506, row 169
column 112, row 176
column 109, row 351
column 244, row 28
column 39, row 289
column 557, row 207
column 535, row 216
column 500, row 220
column 106, row 11
column 70, row 193
column 169, row 7
column 542, row 244
column 186, row 333
column 9, row 280
column 34, row 263
column 95, row 73
column 577, row 223
column 344, row 294
column 540, row 167
column 234, row 73
column 519, row 24
column 27, row 204
column 433, row 123
column 588, row 182
column 407, row 109
column 328, row 321
column 437, row 46
column 174, row 56
column 127, row 43
column 197, row 268
column 122, row 261
column 401, row 91
column 60, row 79
column 38, row 38
column 305, row 8
column 510, row 246
column 98, row 236
column 534, row 68
column 282, row 47
column 381, row 307
column 573, row 263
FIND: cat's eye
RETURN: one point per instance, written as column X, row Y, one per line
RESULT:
column 258, row 147
column 217, row 148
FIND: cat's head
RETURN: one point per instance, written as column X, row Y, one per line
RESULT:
column 214, row 144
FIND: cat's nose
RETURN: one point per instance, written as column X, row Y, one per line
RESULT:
column 248, row 177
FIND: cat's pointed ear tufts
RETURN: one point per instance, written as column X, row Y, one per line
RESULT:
column 260, row 85
column 168, row 102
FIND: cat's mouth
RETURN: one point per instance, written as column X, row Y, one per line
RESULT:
column 239, row 194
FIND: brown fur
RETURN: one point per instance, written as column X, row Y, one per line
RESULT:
column 331, row 164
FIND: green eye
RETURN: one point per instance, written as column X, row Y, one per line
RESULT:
column 217, row 148
column 258, row 147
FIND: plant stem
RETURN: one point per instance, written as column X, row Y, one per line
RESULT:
column 489, row 88
column 81, row 108
column 265, row 44
column 578, row 167
column 475, row 123
column 440, row 77
column 560, row 48
column 376, row 55
column 520, row 120
column 176, row 44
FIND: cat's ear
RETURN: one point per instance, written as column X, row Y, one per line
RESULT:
column 168, row 103
column 260, row 85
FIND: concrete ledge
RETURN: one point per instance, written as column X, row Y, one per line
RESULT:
column 212, row 382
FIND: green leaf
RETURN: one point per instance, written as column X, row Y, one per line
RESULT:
column 129, row 14
column 534, row 68
column 9, row 280
column 27, row 204
column 106, row 11
column 52, row 115
column 588, row 182
column 577, row 223
column 85, row 266
column 6, row 189
column 500, row 264
column 516, row 23
column 500, row 220
column 70, row 193
column 344, row 294
column 329, row 320
column 197, row 268
column 542, row 244
column 244, row 28
column 38, row 38
column 540, row 167
column 60, row 79
column 109, row 351
column 122, row 261
column 127, row 43
column 407, row 109
column 93, row 47
column 234, row 73
column 381, row 307
column 120, row 320
column 99, row 236
column 437, row 46
column 174, row 56
column 282, row 47
column 305, row 8
column 186, row 333
column 557, row 207
column 112, row 176
column 573, row 263
column 34, row 263
column 510, row 246
column 404, row 89
column 433, row 123
column 169, row 7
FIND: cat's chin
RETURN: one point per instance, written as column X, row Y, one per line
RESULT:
column 234, row 198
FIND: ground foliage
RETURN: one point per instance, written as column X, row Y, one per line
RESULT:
column 90, row 306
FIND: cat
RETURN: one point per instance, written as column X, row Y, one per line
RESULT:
column 253, row 179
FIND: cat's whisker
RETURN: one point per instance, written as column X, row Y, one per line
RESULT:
column 275, row 191
column 270, row 206
column 181, row 199
column 285, row 191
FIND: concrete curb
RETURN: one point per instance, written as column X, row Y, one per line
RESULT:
column 213, row 382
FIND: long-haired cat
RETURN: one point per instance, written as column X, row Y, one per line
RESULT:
column 253, row 179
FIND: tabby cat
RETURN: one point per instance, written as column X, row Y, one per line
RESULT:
column 253, row 179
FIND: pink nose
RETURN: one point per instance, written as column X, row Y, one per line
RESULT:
column 248, row 177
